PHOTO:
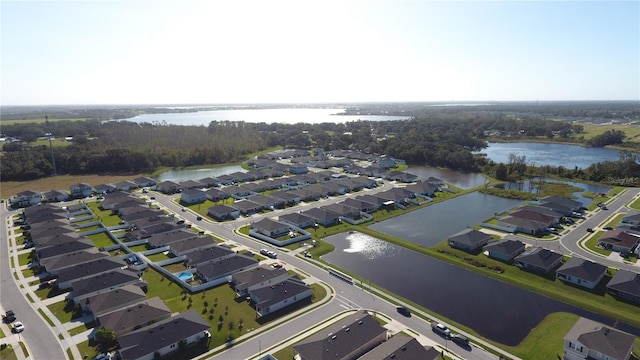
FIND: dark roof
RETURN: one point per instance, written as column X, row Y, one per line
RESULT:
column 167, row 238
column 89, row 269
column 264, row 200
column 600, row 338
column 320, row 214
column 259, row 274
column 151, row 338
column 246, row 205
column 284, row 195
column 401, row 347
column 505, row 247
column 54, row 239
column 539, row 257
column 341, row 338
column 105, row 281
column 470, row 237
column 276, row 293
column 109, row 300
column 139, row 314
column 625, row 281
column 65, row 247
column 582, row 269
column 269, row 225
column 295, row 218
column 572, row 204
column 70, row 259
column 229, row 265
column 208, row 254
column 191, row 243
column 619, row 238
column 342, row 209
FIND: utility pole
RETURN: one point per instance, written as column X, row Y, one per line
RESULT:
column 53, row 160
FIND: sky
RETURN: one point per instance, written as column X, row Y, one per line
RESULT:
column 245, row 51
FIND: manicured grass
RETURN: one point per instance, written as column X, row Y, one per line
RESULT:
column 104, row 216
column 101, row 240
column 8, row 353
column 158, row 257
column 82, row 328
column 614, row 221
column 139, row 248
column 545, row 341
column 174, row 268
column 592, row 244
column 65, row 311
column 635, row 204
column 87, row 350
column 24, row 259
column 591, row 130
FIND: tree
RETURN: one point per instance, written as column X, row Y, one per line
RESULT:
column 105, row 338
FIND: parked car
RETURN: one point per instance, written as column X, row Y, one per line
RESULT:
column 624, row 254
column 103, row 356
column 608, row 228
column 589, row 230
column 199, row 218
column 460, row 339
column 9, row 316
column 277, row 266
column 404, row 311
column 440, row 329
column 17, row 327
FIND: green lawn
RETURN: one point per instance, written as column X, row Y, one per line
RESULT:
column 158, row 257
column 104, row 216
column 101, row 240
column 24, row 259
column 65, row 311
column 545, row 341
column 8, row 353
column 592, row 243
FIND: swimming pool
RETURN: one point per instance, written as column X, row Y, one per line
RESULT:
column 185, row 276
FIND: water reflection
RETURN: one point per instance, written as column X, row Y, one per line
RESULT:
column 494, row 309
column 368, row 246
column 455, row 178
column 197, row 174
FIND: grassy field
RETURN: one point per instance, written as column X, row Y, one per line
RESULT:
column 591, row 130
column 60, row 182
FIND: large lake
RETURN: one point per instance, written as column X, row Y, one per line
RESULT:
column 284, row 116
column 495, row 309
column 569, row 156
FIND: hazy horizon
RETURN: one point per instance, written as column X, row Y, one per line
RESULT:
column 98, row 53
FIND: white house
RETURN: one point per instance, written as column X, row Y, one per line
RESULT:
column 26, row 198
column 588, row 339
column 81, row 190
column 193, row 196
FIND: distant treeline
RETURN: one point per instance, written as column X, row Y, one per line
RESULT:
column 442, row 139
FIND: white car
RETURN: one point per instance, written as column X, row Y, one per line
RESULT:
column 17, row 327
column 103, row 356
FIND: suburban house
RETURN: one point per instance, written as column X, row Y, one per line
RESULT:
column 248, row 280
column 625, row 285
column 267, row 202
column 193, row 196
column 82, row 243
column 104, row 189
column 269, row 299
column 527, row 226
column 581, row 272
column 106, row 282
column 247, row 207
column 553, row 201
column 81, row 190
column 237, row 191
column 376, row 201
column 111, row 300
column 288, row 197
column 208, row 255
column 214, row 194
column 168, row 187
column 210, row 182
column 125, row 185
column 633, row 219
column 222, row 212
column 190, row 184
column 271, row 228
column 469, row 240
column 220, row 271
column 505, row 250
column 422, row 188
column 162, row 337
column 181, row 247
column 253, row 187
column 538, row 260
column 144, row 181
column 401, row 346
column 87, row 270
column 620, row 241
column 297, row 219
column 343, row 210
column 322, row 217
column 588, row 339
column 55, row 196
column 26, row 198
column 52, row 265
column 349, row 338
column 129, row 318
column 163, row 239
column 535, row 216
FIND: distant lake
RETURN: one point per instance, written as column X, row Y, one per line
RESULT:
column 284, row 116
column 538, row 154
column 178, row 175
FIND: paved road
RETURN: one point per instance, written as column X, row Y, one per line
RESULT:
column 347, row 296
column 42, row 343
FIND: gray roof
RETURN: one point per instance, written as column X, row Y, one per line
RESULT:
column 167, row 238
column 341, row 338
column 401, row 347
column 598, row 337
column 105, row 281
column 539, row 257
column 505, row 247
column 89, row 269
column 470, row 237
column 254, row 276
column 582, row 269
column 65, row 247
column 113, row 299
column 245, row 205
column 295, row 218
column 151, row 338
column 70, row 259
column 139, row 314
column 213, row 270
column 625, row 281
column 269, row 225
column 276, row 293
column 208, row 254
column 191, row 243
column 320, row 215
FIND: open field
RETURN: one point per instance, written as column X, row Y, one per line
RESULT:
column 61, row 182
column 591, row 130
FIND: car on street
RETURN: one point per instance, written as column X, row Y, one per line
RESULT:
column 608, row 228
column 9, row 316
column 440, row 329
column 589, row 230
column 17, row 327
column 199, row 218
column 404, row 311
column 460, row 339
column 277, row 266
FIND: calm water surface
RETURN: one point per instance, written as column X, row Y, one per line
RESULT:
column 456, row 178
column 284, row 116
column 433, row 224
column 496, row 310
column 569, row 156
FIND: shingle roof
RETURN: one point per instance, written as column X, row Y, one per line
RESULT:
column 505, row 247
column 625, row 281
column 139, row 314
column 601, row 338
column 125, row 295
column 401, row 347
column 582, row 269
column 470, row 237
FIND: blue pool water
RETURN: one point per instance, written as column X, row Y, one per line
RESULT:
column 185, row 276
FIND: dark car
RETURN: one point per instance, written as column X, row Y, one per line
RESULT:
column 608, row 228
column 460, row 339
column 199, row 218
column 589, row 230
column 9, row 316
column 404, row 311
